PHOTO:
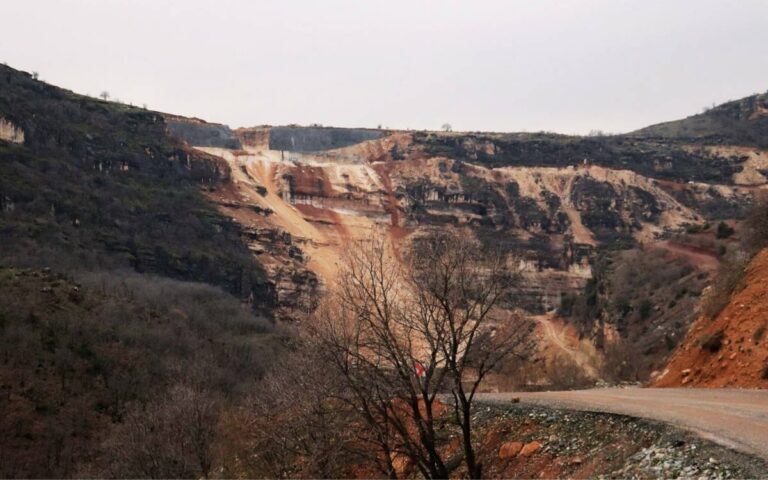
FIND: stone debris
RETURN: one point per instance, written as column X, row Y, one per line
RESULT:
column 671, row 461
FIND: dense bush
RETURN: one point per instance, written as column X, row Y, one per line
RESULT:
column 85, row 362
column 729, row 277
column 646, row 307
column 563, row 373
column 648, row 299
column 724, row 230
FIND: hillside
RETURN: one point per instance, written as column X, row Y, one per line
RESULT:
column 562, row 208
column 149, row 262
column 95, row 184
column 79, row 357
column 265, row 212
column 132, row 313
column 730, row 350
column 741, row 122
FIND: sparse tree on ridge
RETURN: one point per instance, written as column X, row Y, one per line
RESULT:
column 446, row 127
column 104, row 95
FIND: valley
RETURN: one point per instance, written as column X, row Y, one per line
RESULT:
column 557, row 206
column 163, row 278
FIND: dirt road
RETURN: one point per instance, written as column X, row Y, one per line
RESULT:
column 556, row 335
column 697, row 256
column 734, row 418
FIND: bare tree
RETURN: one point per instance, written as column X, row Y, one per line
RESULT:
column 446, row 127
column 462, row 287
column 294, row 427
column 35, row 75
column 104, row 95
column 400, row 333
column 170, row 437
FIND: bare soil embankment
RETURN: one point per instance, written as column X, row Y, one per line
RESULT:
column 730, row 350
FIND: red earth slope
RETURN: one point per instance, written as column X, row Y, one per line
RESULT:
column 740, row 358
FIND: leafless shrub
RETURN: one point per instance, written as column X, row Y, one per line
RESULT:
column 167, row 438
column 621, row 362
column 730, row 276
column 112, row 347
column 565, row 374
column 755, row 228
column 292, row 426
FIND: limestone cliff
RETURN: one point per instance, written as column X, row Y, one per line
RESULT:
column 549, row 201
column 10, row 132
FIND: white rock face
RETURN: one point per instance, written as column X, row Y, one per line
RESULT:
column 10, row 132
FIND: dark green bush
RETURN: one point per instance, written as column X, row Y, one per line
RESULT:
column 646, row 307
column 724, row 230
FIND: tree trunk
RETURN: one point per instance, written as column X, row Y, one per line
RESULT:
column 473, row 467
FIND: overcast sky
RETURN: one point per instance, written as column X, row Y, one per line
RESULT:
column 566, row 66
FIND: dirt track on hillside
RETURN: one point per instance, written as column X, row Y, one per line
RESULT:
column 555, row 333
column 734, row 418
column 697, row 256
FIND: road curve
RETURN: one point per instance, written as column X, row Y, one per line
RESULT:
column 731, row 417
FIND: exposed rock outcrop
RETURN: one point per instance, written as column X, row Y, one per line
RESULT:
column 201, row 133
column 548, row 202
column 10, row 132
column 315, row 139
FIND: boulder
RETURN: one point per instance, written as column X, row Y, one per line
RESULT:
column 530, row 448
column 510, row 449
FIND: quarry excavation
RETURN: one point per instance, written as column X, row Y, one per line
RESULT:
column 363, row 240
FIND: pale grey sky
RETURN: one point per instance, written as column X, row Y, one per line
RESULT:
column 566, row 66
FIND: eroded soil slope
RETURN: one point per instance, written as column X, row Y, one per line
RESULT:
column 732, row 349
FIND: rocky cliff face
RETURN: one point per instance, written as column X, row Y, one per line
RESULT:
column 90, row 184
column 10, row 132
column 549, row 201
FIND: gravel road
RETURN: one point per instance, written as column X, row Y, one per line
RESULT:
column 734, row 418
